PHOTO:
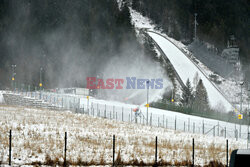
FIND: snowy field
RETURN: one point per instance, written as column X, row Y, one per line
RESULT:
column 38, row 138
column 156, row 117
column 164, row 118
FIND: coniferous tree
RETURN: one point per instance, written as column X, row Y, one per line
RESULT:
column 201, row 102
column 187, row 94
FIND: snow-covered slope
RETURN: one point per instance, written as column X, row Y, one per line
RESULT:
column 188, row 70
column 141, row 22
column 157, row 117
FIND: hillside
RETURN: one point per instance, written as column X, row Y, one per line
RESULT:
column 217, row 20
column 209, row 63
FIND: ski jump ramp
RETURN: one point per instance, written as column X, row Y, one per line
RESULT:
column 187, row 69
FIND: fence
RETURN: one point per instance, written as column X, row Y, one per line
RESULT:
column 124, row 112
column 116, row 156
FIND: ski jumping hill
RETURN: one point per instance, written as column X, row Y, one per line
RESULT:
column 187, row 69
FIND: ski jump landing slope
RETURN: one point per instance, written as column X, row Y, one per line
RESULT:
column 187, row 69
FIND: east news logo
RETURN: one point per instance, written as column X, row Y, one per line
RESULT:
column 118, row 83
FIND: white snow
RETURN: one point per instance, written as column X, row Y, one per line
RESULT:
column 120, row 3
column 164, row 118
column 215, row 95
column 143, row 22
column 159, row 117
column 187, row 70
column 1, row 97
column 229, row 87
column 34, row 128
column 140, row 21
column 39, row 133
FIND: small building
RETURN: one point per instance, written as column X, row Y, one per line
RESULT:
column 76, row 91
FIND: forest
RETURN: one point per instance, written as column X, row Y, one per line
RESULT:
column 84, row 35
column 69, row 40
column 217, row 20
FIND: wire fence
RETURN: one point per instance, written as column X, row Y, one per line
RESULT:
column 61, row 148
column 125, row 112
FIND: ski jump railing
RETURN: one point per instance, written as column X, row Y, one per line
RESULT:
column 166, row 58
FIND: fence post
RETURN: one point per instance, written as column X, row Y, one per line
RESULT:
column 131, row 114
column 227, row 153
column 247, row 138
column 175, row 123
column 122, row 115
column 151, row 119
column 97, row 109
column 78, row 102
column 203, row 127
column 218, row 133
column 240, row 131
column 247, row 135
column 188, row 124
column 193, row 127
column 113, row 150
column 163, row 119
column 184, row 126
column 10, row 148
column 65, row 149
column 105, row 110
column 225, row 132
column 166, row 123
column 158, row 122
column 214, row 131
column 193, row 154
column 105, row 113
column 235, row 132
column 62, row 102
column 156, row 151
column 136, row 119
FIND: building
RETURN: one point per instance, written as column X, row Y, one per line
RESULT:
column 231, row 53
